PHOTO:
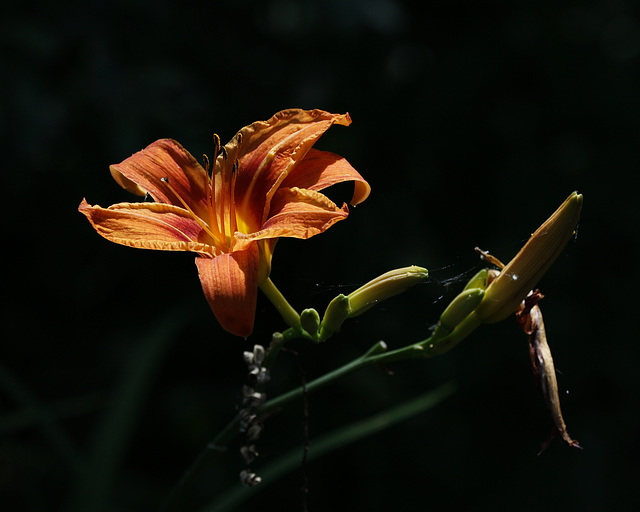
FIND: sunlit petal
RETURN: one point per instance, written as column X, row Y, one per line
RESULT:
column 230, row 284
column 268, row 150
column 148, row 226
column 321, row 169
column 298, row 213
column 165, row 159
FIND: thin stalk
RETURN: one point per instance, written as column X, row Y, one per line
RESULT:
column 329, row 442
column 289, row 315
column 375, row 355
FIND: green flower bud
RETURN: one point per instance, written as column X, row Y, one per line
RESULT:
column 336, row 313
column 364, row 298
column 310, row 321
column 505, row 293
column 480, row 280
column 387, row 285
column 459, row 309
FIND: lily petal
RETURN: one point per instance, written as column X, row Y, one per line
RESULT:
column 321, row 169
column 269, row 150
column 165, row 159
column 230, row 284
column 148, row 226
column 298, row 213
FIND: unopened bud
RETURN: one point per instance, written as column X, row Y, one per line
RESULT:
column 458, row 320
column 337, row 312
column 522, row 273
column 480, row 280
column 310, row 321
column 382, row 287
column 459, row 309
column 364, row 298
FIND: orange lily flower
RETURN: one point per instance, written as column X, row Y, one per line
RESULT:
column 264, row 185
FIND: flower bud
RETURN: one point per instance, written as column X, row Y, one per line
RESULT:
column 310, row 321
column 480, row 280
column 505, row 293
column 458, row 320
column 336, row 313
column 382, row 287
column 459, row 309
column 364, row 298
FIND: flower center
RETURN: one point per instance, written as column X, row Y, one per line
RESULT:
column 222, row 222
column 210, row 228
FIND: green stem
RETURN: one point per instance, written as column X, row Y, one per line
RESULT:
column 329, row 442
column 322, row 381
column 289, row 315
column 375, row 355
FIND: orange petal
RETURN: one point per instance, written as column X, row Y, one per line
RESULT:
column 144, row 171
column 321, row 169
column 298, row 213
column 230, row 284
column 148, row 226
column 268, row 150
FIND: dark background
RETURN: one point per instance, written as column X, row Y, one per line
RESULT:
column 472, row 122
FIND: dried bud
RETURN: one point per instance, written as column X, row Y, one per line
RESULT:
column 522, row 273
column 249, row 478
column 530, row 319
column 258, row 354
column 249, row 453
column 248, row 357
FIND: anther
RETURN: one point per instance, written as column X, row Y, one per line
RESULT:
column 205, row 159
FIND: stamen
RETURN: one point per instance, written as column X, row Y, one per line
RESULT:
column 209, row 187
column 205, row 159
column 202, row 224
column 233, row 223
column 211, row 198
column 218, row 189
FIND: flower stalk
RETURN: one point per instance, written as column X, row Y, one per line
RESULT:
column 287, row 312
column 364, row 298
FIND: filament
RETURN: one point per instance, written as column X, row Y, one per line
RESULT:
column 203, row 225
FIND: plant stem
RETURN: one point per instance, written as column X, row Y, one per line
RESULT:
column 234, row 497
column 377, row 354
column 289, row 315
